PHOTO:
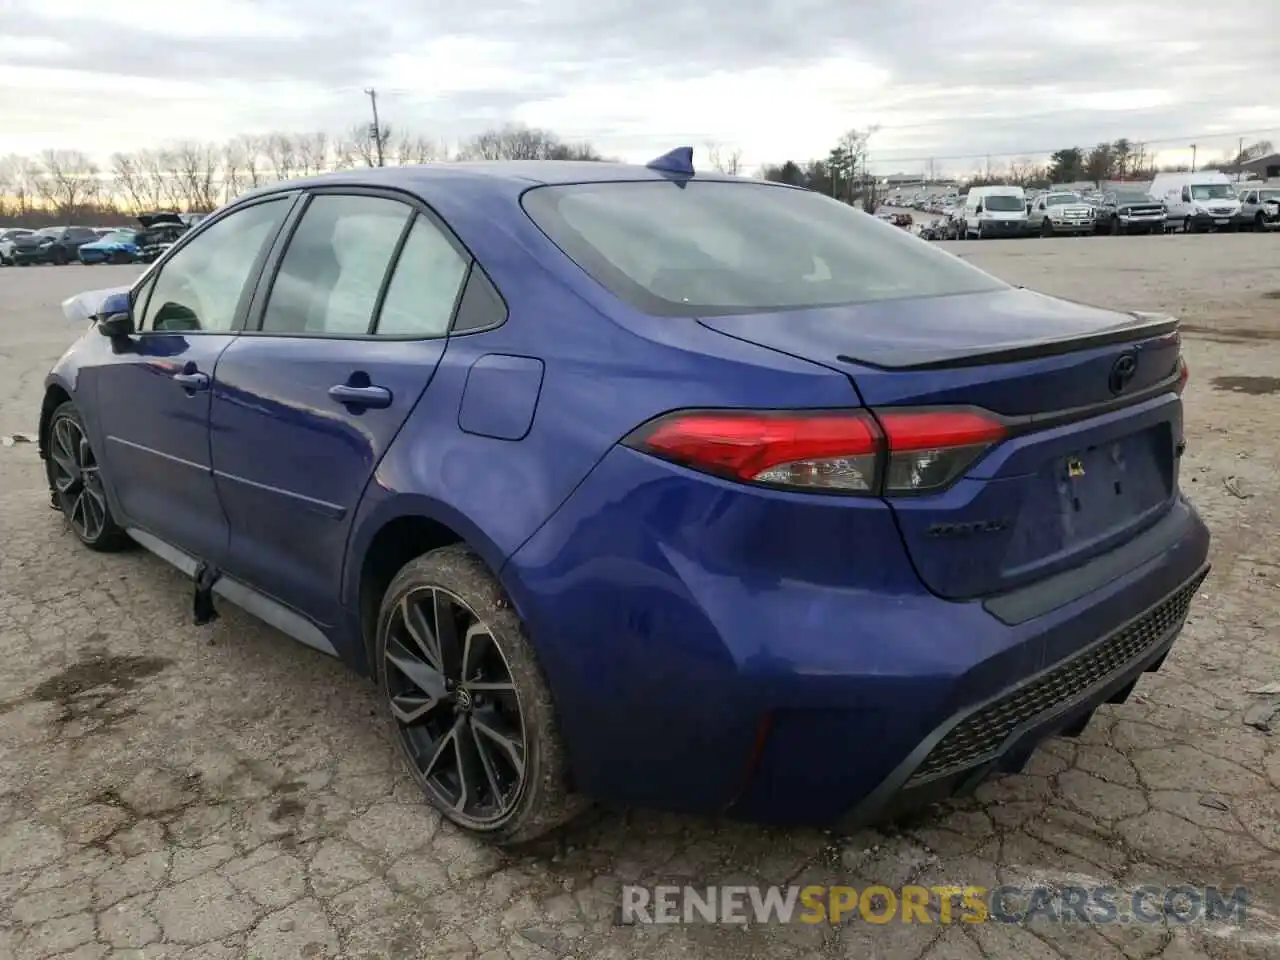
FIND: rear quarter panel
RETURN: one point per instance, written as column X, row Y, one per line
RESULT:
column 606, row 371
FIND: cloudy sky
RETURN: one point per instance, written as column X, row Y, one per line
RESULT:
column 772, row 79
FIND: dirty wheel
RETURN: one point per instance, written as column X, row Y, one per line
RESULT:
column 75, row 478
column 469, row 707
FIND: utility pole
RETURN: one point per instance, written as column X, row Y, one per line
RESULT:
column 1193, row 158
column 376, row 130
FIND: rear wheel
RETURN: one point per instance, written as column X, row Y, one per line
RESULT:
column 59, row 256
column 75, row 479
column 468, row 705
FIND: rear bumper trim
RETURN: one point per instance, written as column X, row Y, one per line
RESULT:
column 1044, row 596
column 917, row 781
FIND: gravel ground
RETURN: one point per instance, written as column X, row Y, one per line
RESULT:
column 175, row 791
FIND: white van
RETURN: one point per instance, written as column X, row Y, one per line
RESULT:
column 999, row 211
column 1197, row 201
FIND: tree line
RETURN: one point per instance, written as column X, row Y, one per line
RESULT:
column 62, row 185
column 842, row 172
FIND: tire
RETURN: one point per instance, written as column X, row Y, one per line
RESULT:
column 527, row 789
column 1046, row 228
column 75, row 483
column 1259, row 224
column 119, row 257
column 58, row 257
column 1186, row 225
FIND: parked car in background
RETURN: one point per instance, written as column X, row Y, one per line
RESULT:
column 7, row 237
column 858, row 526
column 996, row 211
column 118, row 246
column 1129, row 211
column 160, row 231
column 1205, row 200
column 56, row 245
column 1259, row 206
column 1060, row 212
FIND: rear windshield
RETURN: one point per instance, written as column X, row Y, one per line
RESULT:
column 705, row 248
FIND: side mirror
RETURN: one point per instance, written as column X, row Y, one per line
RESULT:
column 978, row 208
column 117, row 326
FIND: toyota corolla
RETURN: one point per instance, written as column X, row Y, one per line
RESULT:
column 644, row 485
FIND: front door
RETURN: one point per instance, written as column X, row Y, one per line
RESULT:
column 152, row 394
column 308, row 399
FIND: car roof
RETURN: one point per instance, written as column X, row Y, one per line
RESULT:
column 491, row 176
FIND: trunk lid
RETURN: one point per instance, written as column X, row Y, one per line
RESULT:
column 1089, row 397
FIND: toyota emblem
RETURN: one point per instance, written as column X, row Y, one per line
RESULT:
column 1122, row 371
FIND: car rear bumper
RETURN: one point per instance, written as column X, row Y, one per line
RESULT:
column 715, row 649
column 1000, row 734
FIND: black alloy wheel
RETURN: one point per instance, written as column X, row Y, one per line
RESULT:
column 470, row 710
column 75, row 477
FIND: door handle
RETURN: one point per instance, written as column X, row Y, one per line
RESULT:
column 192, row 381
column 373, row 397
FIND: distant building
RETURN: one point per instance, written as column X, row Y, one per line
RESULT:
column 1265, row 168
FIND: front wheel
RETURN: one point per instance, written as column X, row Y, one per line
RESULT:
column 75, row 481
column 468, row 705
column 1046, row 228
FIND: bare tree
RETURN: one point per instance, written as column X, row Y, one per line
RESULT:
column 417, row 149
column 281, row 152
column 512, row 142
column 313, row 153
column 725, row 160
column 346, row 149
column 153, row 167
column 128, row 181
column 362, row 145
column 68, row 180
column 197, row 166
column 1254, row 151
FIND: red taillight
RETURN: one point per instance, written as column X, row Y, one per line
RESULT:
column 1184, row 373
column 929, row 449
column 888, row 451
column 833, row 451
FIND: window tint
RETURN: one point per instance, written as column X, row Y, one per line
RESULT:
column 424, row 288
column 706, row 247
column 332, row 271
column 200, row 287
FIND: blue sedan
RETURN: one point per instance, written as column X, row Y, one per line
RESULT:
column 119, row 246
column 642, row 484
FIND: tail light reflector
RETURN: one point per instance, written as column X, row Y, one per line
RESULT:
column 889, row 452
column 1184, row 373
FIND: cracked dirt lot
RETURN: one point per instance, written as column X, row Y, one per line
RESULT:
column 173, row 791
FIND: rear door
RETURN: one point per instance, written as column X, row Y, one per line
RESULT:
column 152, row 394
column 342, row 342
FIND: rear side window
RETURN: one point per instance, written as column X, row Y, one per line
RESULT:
column 705, row 248
column 424, row 288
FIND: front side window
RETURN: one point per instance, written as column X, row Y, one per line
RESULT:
column 713, row 248
column 199, row 289
column 333, row 270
